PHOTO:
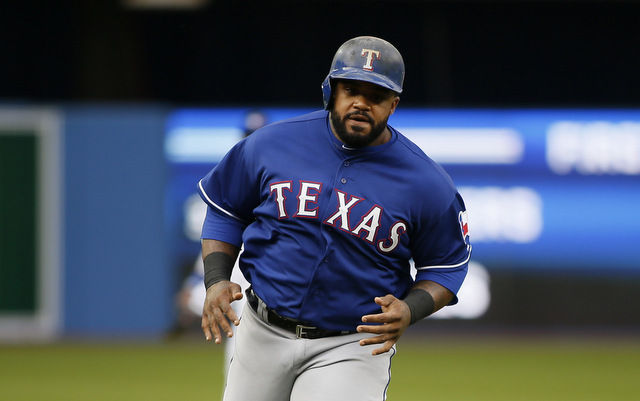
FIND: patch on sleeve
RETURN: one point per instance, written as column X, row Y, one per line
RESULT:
column 464, row 226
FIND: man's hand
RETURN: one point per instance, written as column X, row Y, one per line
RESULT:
column 388, row 325
column 217, row 310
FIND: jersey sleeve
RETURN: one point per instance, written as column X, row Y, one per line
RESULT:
column 229, row 192
column 444, row 250
column 222, row 227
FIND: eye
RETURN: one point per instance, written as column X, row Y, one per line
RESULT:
column 377, row 97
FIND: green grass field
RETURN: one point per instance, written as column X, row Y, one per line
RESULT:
column 492, row 369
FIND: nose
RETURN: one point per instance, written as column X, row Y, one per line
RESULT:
column 361, row 103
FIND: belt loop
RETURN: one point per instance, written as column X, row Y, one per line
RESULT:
column 262, row 309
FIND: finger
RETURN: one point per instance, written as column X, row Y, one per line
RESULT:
column 210, row 328
column 386, row 348
column 231, row 314
column 394, row 330
column 389, row 314
column 377, row 318
column 377, row 329
column 205, row 328
column 385, row 301
column 216, row 332
column 238, row 296
column 388, row 317
column 373, row 340
column 222, row 321
column 210, row 318
column 387, row 344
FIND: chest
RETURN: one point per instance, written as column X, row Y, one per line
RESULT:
column 356, row 197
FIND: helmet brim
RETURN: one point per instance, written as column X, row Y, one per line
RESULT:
column 358, row 74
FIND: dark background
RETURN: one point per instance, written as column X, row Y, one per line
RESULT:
column 457, row 53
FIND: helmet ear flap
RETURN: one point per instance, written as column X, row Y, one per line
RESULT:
column 327, row 96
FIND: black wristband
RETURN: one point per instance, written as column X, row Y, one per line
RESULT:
column 217, row 267
column 420, row 304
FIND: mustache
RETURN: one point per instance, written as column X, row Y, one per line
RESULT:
column 360, row 113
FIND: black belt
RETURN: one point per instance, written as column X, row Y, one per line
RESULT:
column 296, row 327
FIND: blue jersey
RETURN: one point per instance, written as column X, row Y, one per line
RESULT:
column 327, row 228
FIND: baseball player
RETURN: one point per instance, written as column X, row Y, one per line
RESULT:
column 330, row 208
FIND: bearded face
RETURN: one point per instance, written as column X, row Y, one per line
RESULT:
column 356, row 135
column 360, row 112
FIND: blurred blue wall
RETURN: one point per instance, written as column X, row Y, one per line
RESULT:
column 120, row 279
column 116, row 275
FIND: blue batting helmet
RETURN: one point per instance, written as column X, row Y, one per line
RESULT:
column 369, row 59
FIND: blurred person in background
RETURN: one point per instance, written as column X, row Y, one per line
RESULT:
column 191, row 295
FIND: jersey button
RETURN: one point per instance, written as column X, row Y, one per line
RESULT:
column 346, row 164
column 343, row 180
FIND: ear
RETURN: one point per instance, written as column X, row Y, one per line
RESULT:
column 396, row 100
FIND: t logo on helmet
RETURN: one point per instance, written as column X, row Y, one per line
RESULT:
column 369, row 54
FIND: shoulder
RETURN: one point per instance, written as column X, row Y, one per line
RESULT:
column 429, row 180
column 411, row 149
column 414, row 155
column 285, row 136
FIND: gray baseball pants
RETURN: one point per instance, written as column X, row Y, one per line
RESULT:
column 271, row 364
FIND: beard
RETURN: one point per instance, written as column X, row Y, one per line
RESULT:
column 355, row 138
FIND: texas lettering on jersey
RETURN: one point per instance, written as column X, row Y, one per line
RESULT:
column 364, row 227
